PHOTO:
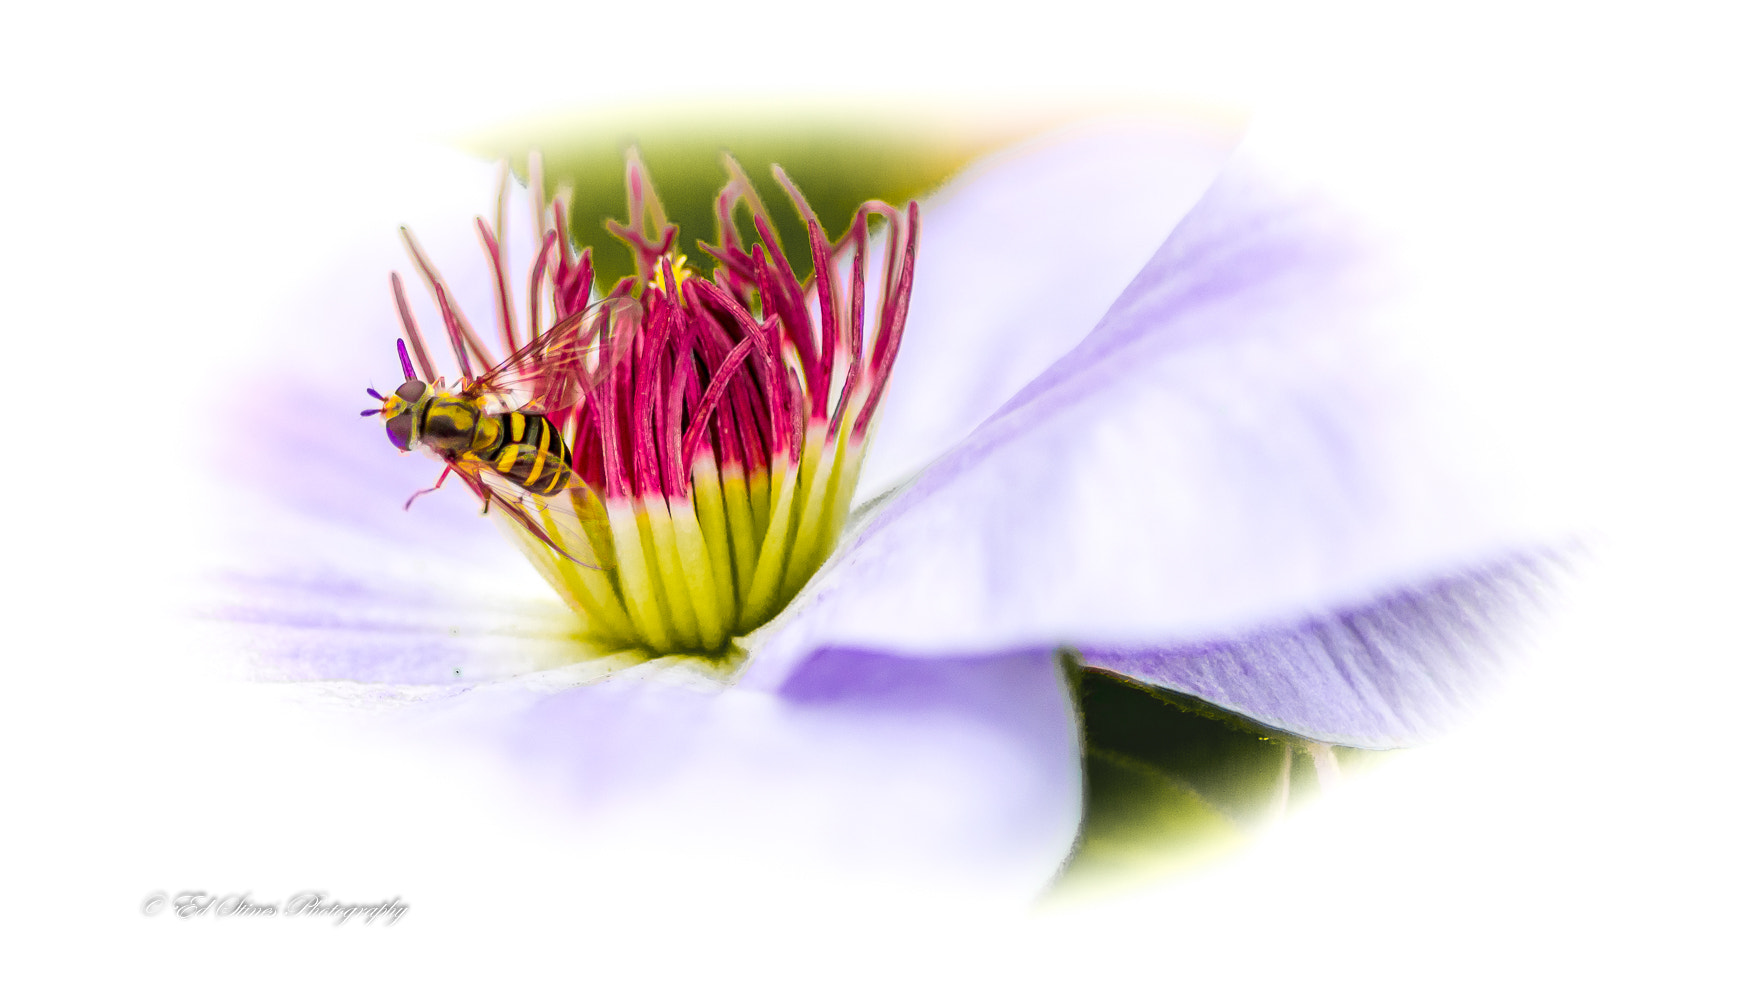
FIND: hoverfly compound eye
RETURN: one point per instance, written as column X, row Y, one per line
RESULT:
column 400, row 428
column 412, row 390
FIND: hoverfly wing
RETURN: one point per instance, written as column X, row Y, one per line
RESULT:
column 570, row 521
column 554, row 371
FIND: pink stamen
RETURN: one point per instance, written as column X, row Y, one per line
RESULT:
column 501, row 177
column 535, row 184
column 770, row 363
column 737, row 426
column 503, row 299
column 787, row 300
column 857, row 301
column 611, row 430
column 645, row 474
column 801, row 207
column 828, row 330
column 825, row 281
column 410, row 331
column 458, row 329
column 535, row 286
column 892, row 324
column 739, row 188
column 589, row 455
column 712, row 396
column 574, row 284
column 676, row 475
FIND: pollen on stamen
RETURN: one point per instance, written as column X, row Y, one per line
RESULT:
column 713, row 425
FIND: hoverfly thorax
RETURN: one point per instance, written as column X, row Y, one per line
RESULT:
column 447, row 423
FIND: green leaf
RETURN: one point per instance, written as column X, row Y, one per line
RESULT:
column 1171, row 781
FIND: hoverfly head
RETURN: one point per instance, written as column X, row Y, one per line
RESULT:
column 398, row 409
column 399, row 412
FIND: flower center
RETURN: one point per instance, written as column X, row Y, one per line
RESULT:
column 671, row 267
column 676, row 456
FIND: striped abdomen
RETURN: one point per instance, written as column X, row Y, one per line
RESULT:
column 529, row 452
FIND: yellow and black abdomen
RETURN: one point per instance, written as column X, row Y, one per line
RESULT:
column 529, row 452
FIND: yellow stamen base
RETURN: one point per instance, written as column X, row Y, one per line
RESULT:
column 689, row 575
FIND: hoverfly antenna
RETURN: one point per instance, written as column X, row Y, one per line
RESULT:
column 373, row 394
column 409, row 370
column 371, row 413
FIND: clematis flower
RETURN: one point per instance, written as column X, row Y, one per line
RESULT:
column 1186, row 447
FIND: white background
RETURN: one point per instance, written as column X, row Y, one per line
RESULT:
column 1591, row 832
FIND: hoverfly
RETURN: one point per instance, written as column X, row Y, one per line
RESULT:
column 495, row 433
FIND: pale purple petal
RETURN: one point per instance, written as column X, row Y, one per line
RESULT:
column 964, row 773
column 1240, row 444
column 1020, row 257
column 1393, row 673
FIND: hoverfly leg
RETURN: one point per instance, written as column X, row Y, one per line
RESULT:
column 437, row 484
